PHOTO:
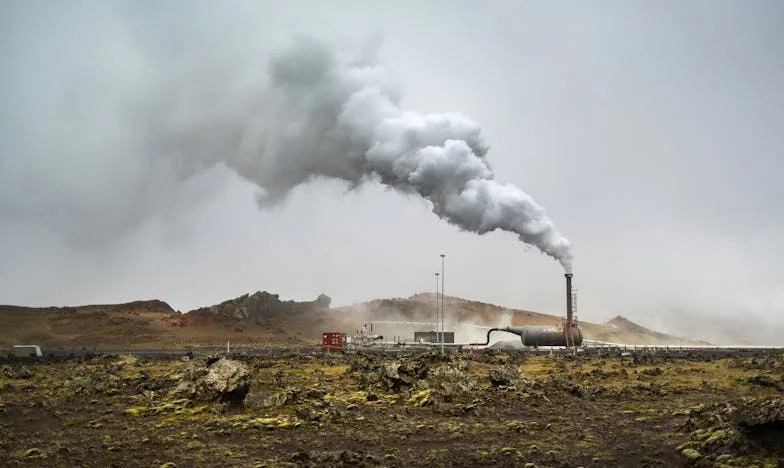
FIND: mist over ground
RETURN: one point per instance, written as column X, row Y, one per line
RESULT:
column 650, row 136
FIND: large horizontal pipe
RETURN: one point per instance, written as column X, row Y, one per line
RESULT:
column 540, row 336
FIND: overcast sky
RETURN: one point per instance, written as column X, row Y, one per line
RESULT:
column 652, row 133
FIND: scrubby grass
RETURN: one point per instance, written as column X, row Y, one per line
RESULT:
column 565, row 411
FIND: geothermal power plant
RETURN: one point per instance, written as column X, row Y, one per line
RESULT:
column 566, row 335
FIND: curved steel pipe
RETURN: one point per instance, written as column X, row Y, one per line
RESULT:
column 516, row 331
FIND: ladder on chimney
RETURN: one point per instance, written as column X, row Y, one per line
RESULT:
column 574, row 306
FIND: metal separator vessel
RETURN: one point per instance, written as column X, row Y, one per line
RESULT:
column 567, row 335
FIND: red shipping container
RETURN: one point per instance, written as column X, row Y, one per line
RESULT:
column 333, row 340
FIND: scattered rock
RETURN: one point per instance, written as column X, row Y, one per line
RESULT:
column 34, row 453
column 395, row 376
column 184, row 386
column 583, row 391
column 691, row 454
column 273, row 423
column 289, row 396
column 315, row 394
column 422, row 398
column 307, row 414
column 740, row 428
column 97, row 379
column 344, row 458
column 758, row 412
column 16, row 372
column 450, row 381
column 764, row 380
column 767, row 362
column 505, row 376
column 217, row 380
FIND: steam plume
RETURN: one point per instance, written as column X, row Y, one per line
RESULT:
column 92, row 158
column 329, row 115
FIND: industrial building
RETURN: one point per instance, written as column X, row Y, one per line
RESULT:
column 434, row 337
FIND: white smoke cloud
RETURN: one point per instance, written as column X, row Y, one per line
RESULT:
column 107, row 132
column 329, row 114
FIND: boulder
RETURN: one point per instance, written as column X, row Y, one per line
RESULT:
column 451, row 381
column 289, row 396
column 752, row 413
column 505, row 376
column 691, row 454
column 222, row 380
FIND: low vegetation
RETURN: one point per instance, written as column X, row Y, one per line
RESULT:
column 480, row 409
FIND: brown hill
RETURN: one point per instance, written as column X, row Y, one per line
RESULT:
column 632, row 333
column 142, row 322
column 470, row 319
column 259, row 319
column 263, row 319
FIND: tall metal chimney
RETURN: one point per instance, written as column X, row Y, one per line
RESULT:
column 569, row 311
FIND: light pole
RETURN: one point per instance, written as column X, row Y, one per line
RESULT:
column 435, row 322
column 442, row 301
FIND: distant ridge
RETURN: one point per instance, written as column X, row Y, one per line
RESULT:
column 263, row 319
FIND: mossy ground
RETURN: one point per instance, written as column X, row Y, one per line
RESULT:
column 569, row 411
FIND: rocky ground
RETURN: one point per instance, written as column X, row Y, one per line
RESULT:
column 490, row 408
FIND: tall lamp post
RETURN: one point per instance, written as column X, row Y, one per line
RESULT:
column 435, row 321
column 442, row 302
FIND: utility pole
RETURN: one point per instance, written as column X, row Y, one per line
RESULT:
column 435, row 321
column 442, row 302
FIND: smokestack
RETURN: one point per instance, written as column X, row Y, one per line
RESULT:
column 569, row 311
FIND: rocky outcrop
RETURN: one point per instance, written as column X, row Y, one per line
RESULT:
column 258, row 306
column 507, row 375
column 726, row 433
column 451, row 380
column 755, row 413
column 390, row 376
column 430, row 376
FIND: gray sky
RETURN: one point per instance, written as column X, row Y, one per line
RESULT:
column 651, row 134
